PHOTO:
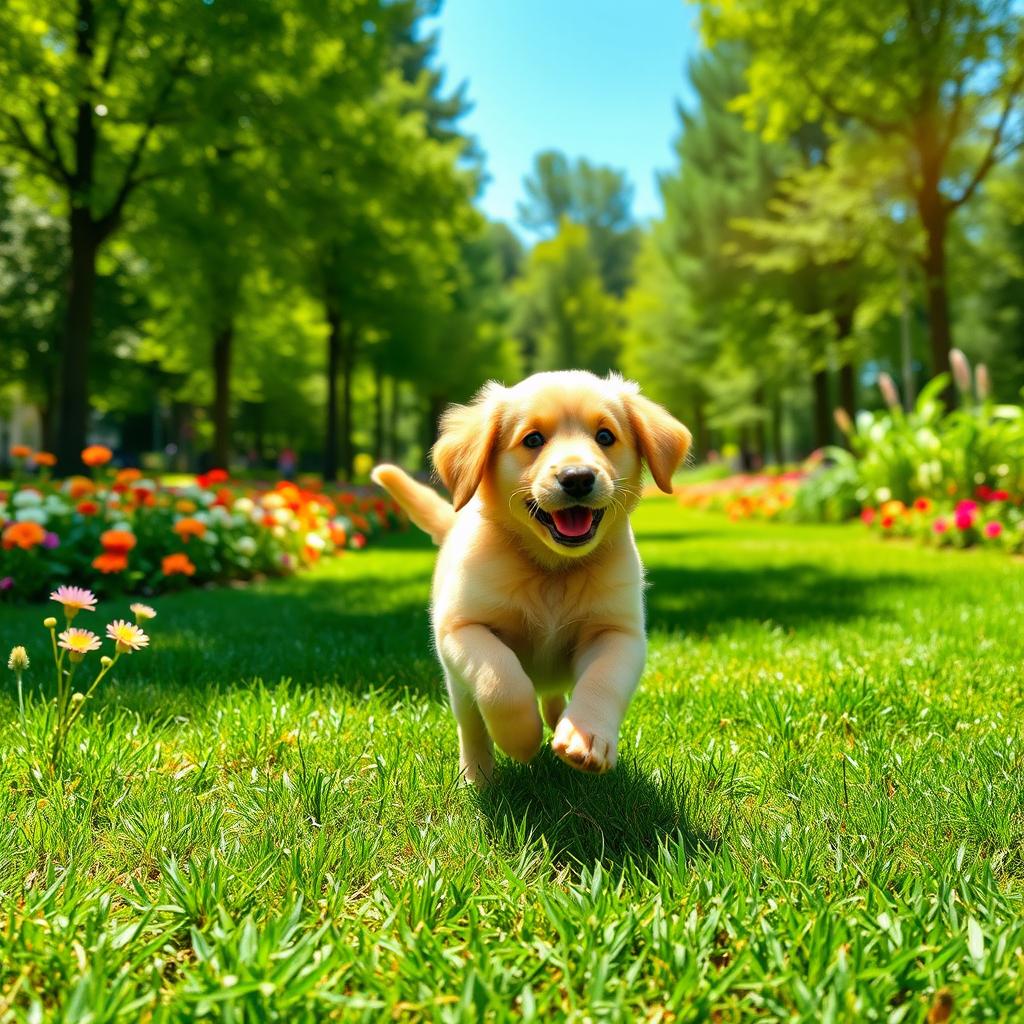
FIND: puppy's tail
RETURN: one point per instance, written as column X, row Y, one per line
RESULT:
column 424, row 506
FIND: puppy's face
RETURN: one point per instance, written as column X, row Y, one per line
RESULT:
column 558, row 458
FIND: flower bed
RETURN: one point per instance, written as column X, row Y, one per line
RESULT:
column 993, row 518
column 745, row 495
column 121, row 531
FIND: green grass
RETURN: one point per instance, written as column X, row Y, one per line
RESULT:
column 817, row 814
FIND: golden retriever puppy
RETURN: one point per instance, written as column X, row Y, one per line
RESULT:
column 538, row 590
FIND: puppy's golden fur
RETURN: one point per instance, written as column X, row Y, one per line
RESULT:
column 522, row 610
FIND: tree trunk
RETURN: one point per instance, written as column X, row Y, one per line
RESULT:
column 348, row 361
column 700, row 427
column 436, row 406
column 760, row 441
column 73, row 416
column 848, row 388
column 222, row 344
column 392, row 417
column 934, row 220
column 822, row 410
column 777, row 447
column 330, row 465
column 378, row 410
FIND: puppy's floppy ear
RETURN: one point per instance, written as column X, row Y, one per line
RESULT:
column 467, row 437
column 662, row 439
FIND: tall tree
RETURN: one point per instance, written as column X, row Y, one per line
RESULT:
column 943, row 77
column 565, row 318
column 598, row 198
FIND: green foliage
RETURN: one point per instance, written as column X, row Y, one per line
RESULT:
column 564, row 317
column 598, row 198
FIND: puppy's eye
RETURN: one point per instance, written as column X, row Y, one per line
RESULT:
column 534, row 439
column 604, row 437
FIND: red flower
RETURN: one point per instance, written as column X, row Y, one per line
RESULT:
column 87, row 508
column 214, row 476
column 999, row 496
column 867, row 516
column 887, row 522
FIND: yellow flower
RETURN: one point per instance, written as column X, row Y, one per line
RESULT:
column 127, row 636
column 78, row 642
column 142, row 612
column 18, row 661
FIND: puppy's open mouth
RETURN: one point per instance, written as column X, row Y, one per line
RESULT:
column 571, row 526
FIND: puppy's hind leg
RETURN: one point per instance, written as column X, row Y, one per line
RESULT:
column 476, row 749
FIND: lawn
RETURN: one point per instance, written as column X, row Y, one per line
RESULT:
column 818, row 813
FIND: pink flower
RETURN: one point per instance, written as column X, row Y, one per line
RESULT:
column 967, row 506
column 964, row 518
column 867, row 516
column 940, row 525
column 6, row 583
column 993, row 529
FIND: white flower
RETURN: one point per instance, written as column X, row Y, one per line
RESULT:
column 883, row 494
column 244, row 505
column 279, row 532
column 27, row 498
column 211, row 538
column 31, row 515
column 122, row 525
column 220, row 515
column 272, row 500
column 246, row 546
column 315, row 541
column 283, row 515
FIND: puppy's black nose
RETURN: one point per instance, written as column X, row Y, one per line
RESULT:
column 576, row 481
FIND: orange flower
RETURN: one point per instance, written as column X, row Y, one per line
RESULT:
column 110, row 561
column 87, row 508
column 97, row 455
column 79, row 487
column 20, row 451
column 23, row 535
column 186, row 528
column 174, row 565
column 128, row 476
column 117, row 542
column 185, row 506
column 44, row 459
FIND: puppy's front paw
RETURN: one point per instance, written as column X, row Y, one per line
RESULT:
column 585, row 751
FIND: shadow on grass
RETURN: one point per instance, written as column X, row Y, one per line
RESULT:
column 616, row 818
column 708, row 600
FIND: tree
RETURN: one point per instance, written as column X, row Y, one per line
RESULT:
column 564, row 317
column 598, row 198
column 944, row 78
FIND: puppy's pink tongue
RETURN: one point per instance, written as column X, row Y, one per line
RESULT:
column 573, row 522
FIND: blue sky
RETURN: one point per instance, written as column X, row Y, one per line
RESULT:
column 594, row 78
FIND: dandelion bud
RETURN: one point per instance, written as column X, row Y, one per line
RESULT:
column 50, row 622
column 106, row 661
column 888, row 388
column 961, row 370
column 18, row 661
column 843, row 421
column 77, row 698
column 982, row 382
